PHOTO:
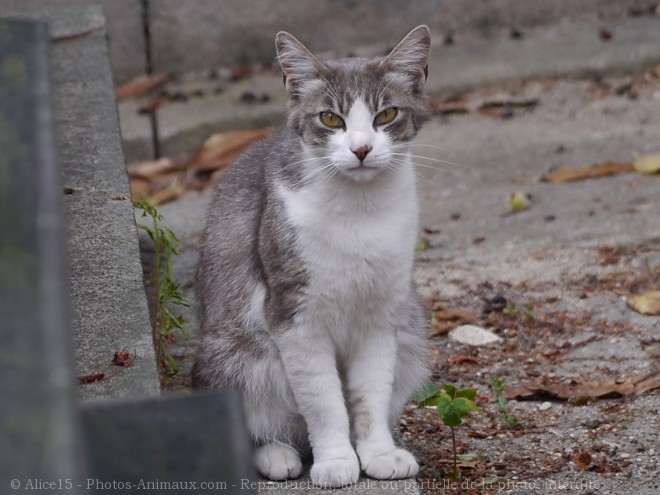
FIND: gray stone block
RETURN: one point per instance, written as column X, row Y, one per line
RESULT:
column 197, row 440
column 38, row 430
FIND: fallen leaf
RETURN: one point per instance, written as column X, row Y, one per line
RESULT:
column 448, row 107
column 153, row 168
column 122, row 358
column 504, row 108
column 167, row 194
column 462, row 358
column 140, row 186
column 422, row 244
column 647, row 303
column 459, row 463
column 453, row 315
column 542, row 388
column 92, row 377
column 521, row 103
column 566, row 174
column 443, row 320
column 221, row 148
column 141, row 85
column 517, row 201
column 583, row 459
column 648, row 164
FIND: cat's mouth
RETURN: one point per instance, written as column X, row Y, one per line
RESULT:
column 362, row 166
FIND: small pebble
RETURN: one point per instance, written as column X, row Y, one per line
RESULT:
column 545, row 406
column 624, row 455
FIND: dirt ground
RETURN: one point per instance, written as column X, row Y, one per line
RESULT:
column 550, row 280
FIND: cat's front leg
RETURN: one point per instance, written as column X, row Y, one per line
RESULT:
column 311, row 368
column 370, row 378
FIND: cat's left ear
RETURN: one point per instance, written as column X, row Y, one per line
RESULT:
column 301, row 70
column 410, row 56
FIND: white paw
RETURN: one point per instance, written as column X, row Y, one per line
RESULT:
column 336, row 472
column 277, row 462
column 391, row 465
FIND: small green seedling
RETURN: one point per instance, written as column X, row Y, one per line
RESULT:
column 168, row 291
column 497, row 385
column 452, row 405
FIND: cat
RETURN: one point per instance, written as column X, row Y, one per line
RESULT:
column 305, row 277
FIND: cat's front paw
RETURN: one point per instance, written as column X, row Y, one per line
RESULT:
column 336, row 472
column 278, row 462
column 391, row 465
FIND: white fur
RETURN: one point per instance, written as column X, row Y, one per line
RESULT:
column 356, row 240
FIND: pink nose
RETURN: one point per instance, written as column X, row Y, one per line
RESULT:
column 361, row 152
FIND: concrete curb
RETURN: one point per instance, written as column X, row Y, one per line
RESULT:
column 107, row 294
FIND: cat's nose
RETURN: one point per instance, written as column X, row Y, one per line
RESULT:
column 361, row 152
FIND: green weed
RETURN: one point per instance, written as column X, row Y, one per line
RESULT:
column 168, row 291
column 453, row 405
column 497, row 385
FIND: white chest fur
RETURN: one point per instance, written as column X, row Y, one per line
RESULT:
column 357, row 243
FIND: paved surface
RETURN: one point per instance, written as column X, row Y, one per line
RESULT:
column 552, row 247
column 566, row 48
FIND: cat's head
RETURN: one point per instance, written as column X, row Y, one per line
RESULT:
column 352, row 112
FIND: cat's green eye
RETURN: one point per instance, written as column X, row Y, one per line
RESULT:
column 386, row 116
column 331, row 120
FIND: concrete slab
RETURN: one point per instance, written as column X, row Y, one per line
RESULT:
column 568, row 48
column 199, row 34
column 107, row 295
column 124, row 28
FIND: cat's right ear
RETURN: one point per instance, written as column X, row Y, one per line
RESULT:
column 301, row 70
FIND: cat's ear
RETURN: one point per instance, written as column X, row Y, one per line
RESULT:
column 410, row 56
column 301, row 69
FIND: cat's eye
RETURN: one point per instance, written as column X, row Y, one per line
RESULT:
column 386, row 116
column 331, row 120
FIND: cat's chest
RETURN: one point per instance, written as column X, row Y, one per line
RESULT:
column 348, row 250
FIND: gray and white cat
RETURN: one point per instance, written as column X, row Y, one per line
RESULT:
column 305, row 278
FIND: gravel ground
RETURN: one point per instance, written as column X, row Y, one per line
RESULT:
column 549, row 280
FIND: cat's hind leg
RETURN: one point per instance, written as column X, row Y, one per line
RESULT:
column 249, row 362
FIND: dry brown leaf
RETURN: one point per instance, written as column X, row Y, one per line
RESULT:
column 459, row 463
column 462, row 358
column 122, row 358
column 647, row 303
column 221, row 148
column 566, row 174
column 92, row 377
column 521, row 103
column 444, row 107
column 444, row 320
column 141, row 85
column 167, row 194
column 542, row 388
column 153, row 168
column 648, row 164
column 140, row 186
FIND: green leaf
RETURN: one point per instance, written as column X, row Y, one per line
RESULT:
column 426, row 392
column 497, row 385
column 468, row 393
column 172, row 365
column 450, row 389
